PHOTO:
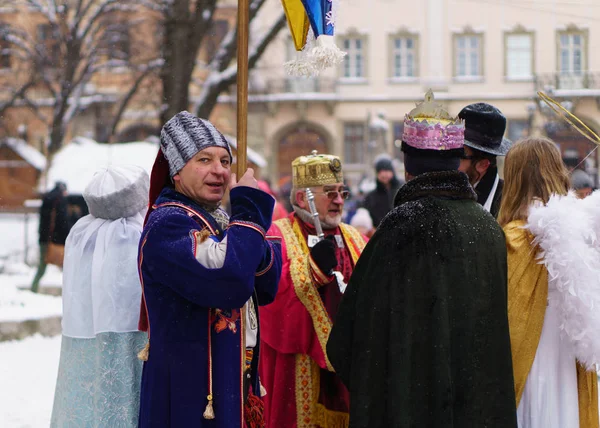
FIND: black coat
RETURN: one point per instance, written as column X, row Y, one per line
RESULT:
column 54, row 201
column 380, row 201
column 421, row 336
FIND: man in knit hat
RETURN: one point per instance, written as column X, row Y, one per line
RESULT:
column 380, row 200
column 302, row 387
column 421, row 336
column 203, row 276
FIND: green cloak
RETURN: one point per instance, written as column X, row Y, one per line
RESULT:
column 421, row 335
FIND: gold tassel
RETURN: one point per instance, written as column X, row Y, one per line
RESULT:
column 203, row 235
column 263, row 391
column 209, row 413
column 144, row 353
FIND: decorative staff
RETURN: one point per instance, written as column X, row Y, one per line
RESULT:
column 574, row 121
column 242, row 86
column 310, row 198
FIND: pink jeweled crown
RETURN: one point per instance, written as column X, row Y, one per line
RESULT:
column 430, row 127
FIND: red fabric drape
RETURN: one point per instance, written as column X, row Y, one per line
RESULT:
column 159, row 178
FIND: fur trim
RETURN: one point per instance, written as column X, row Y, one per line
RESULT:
column 446, row 184
column 566, row 230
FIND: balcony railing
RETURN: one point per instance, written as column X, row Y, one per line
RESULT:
column 301, row 85
column 293, row 85
column 583, row 80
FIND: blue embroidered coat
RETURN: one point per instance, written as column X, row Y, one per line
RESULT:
column 197, row 337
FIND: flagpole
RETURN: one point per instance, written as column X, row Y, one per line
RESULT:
column 242, row 86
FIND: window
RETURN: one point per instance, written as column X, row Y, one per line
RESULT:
column 468, row 53
column 354, row 61
column 571, row 53
column 519, row 56
column 119, row 44
column 404, row 56
column 49, row 46
column 354, row 141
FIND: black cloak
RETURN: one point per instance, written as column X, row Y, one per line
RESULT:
column 421, row 335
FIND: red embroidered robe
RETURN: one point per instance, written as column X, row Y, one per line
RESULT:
column 302, row 388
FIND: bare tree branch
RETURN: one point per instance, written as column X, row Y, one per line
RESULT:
column 19, row 93
column 217, row 82
column 144, row 72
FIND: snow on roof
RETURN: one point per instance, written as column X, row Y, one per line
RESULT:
column 76, row 163
column 27, row 152
column 253, row 156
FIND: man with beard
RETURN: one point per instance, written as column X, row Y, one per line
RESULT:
column 301, row 385
column 421, row 336
column 484, row 130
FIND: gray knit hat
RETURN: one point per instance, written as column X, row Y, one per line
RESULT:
column 184, row 135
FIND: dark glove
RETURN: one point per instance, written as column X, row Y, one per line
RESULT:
column 323, row 254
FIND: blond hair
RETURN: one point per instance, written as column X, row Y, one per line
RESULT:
column 533, row 170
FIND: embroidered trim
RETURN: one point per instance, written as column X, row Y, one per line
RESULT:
column 305, row 387
column 225, row 319
column 265, row 270
column 242, row 361
column 318, row 276
column 330, row 418
column 249, row 225
column 194, row 241
column 140, row 261
column 354, row 238
column 276, row 239
column 189, row 210
column 303, row 284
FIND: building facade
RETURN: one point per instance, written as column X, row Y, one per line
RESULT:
column 500, row 52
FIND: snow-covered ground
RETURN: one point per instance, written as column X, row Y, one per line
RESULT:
column 28, row 370
column 21, row 305
column 28, row 367
column 18, row 234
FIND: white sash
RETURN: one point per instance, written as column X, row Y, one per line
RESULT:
column 488, row 203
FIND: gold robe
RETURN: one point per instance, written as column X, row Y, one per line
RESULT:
column 527, row 301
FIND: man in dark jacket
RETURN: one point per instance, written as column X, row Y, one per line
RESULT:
column 484, row 141
column 54, row 226
column 380, row 201
column 421, row 336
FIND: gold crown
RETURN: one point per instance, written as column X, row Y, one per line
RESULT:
column 316, row 170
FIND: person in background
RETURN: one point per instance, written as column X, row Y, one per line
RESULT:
column 279, row 210
column 54, row 226
column 99, row 374
column 485, row 126
column 582, row 183
column 553, row 289
column 380, row 201
column 362, row 221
